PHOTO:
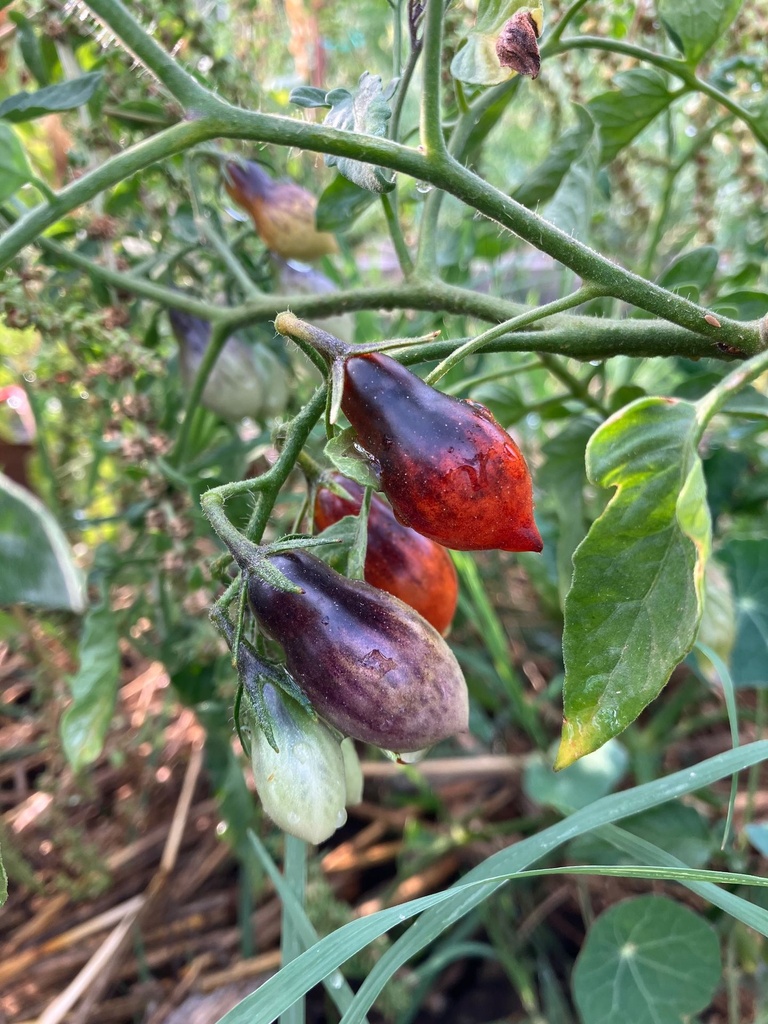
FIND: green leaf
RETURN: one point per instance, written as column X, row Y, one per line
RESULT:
column 477, row 62
column 580, row 784
column 647, row 960
column 634, row 608
column 676, row 827
column 36, row 560
column 14, row 169
column 622, row 113
column 563, row 478
column 25, row 106
column 694, row 26
column 365, row 112
column 747, row 564
column 94, row 688
column 742, row 305
column 349, row 459
column 29, row 44
column 308, row 96
column 571, row 207
column 237, row 805
column 542, row 183
column 341, row 203
column 689, row 274
column 758, row 837
column 717, row 629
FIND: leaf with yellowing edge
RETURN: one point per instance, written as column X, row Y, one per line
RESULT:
column 636, row 600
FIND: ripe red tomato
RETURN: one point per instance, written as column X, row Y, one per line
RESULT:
column 398, row 560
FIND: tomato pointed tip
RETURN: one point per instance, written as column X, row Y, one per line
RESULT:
column 526, row 538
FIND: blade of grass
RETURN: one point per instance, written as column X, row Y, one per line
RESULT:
column 729, row 692
column 336, row 985
column 495, row 640
column 445, row 908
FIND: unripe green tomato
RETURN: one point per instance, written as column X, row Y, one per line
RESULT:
column 246, row 380
column 303, row 788
column 353, row 771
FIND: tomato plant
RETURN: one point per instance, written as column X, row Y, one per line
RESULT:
column 536, row 230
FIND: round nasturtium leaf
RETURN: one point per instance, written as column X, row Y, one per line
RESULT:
column 647, row 960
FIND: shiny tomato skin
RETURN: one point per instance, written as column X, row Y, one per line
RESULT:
column 371, row 666
column 398, row 560
column 449, row 470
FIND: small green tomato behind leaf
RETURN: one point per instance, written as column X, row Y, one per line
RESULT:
column 302, row 788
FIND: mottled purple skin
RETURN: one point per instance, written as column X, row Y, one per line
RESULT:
column 450, row 471
column 369, row 663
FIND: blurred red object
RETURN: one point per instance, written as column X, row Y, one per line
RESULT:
column 17, row 433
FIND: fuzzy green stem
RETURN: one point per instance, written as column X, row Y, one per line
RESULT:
column 523, row 320
column 589, row 265
column 431, row 125
column 402, row 92
column 577, row 387
column 389, row 202
column 173, row 140
column 554, row 36
column 712, row 403
column 218, row 340
column 296, row 437
column 212, row 504
column 674, row 66
column 137, row 41
column 448, row 174
column 468, row 383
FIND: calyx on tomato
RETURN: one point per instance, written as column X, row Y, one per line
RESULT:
column 449, row 470
column 398, row 559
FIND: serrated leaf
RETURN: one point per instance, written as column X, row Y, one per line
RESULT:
column 14, row 169
column 542, row 183
column 341, row 203
column 622, row 113
column 25, row 106
column 634, row 608
column 694, row 26
column 747, row 564
column 364, row 112
column 94, row 688
column 349, row 459
column 36, row 559
column 477, row 62
column 647, row 960
column 308, row 96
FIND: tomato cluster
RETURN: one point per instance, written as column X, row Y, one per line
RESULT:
column 369, row 655
column 397, row 559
